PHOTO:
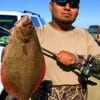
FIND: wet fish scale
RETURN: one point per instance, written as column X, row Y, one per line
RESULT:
column 23, row 65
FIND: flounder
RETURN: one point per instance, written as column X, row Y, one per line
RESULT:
column 23, row 65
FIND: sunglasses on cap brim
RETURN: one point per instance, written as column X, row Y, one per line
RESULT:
column 73, row 3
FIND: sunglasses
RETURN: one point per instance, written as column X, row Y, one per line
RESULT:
column 73, row 3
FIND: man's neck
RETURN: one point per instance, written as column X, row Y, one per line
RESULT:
column 61, row 27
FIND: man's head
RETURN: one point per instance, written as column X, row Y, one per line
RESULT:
column 64, row 11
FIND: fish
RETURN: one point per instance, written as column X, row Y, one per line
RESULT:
column 23, row 64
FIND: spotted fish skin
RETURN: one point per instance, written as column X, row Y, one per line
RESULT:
column 23, row 65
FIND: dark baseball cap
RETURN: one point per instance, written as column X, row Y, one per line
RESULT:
column 64, row 0
column 73, row 3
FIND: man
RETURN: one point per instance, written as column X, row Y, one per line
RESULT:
column 66, row 41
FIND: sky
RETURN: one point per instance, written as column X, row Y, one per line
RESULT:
column 89, row 12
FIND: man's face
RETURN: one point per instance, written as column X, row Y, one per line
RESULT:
column 63, row 13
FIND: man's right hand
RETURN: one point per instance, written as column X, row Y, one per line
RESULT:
column 25, row 27
column 66, row 58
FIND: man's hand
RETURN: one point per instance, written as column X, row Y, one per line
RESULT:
column 25, row 27
column 66, row 58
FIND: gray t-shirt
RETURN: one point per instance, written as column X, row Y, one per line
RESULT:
column 77, row 41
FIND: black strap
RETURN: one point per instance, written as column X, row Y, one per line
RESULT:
column 3, row 95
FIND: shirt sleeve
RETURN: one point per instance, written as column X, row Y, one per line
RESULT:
column 40, row 33
column 93, row 47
